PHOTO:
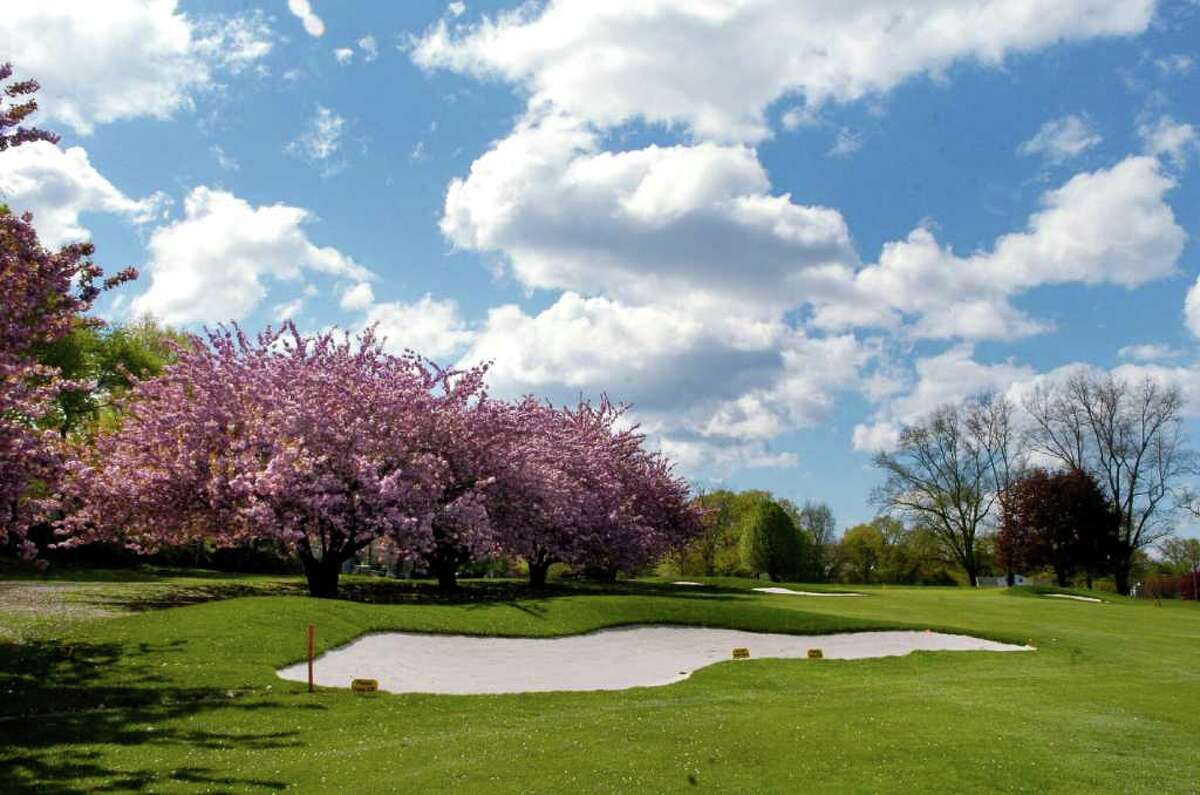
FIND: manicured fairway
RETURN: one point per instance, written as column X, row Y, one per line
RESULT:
column 186, row 698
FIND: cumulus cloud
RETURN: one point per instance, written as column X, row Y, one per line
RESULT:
column 302, row 10
column 711, row 389
column 1191, row 309
column 433, row 328
column 683, row 223
column 211, row 265
column 1060, row 140
column 1110, row 226
column 1148, row 352
column 1168, row 138
column 947, row 377
column 58, row 185
column 123, row 59
column 715, row 66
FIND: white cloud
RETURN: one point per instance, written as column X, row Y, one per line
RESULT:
column 1060, row 140
column 435, row 329
column 1111, row 226
column 320, row 141
column 303, row 11
column 456, row 8
column 343, row 55
column 369, row 47
column 1166, row 137
column 714, row 66
column 358, row 297
column 798, row 116
column 223, row 158
column 236, row 43
column 680, row 223
column 947, row 377
column 1176, row 63
column 100, row 62
column 210, row 266
column 1148, row 352
column 1191, row 309
column 954, row 375
column 846, row 143
column 289, row 310
column 713, row 389
column 58, row 185
column 700, row 455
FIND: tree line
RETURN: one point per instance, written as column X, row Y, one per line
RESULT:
column 1081, row 476
column 754, row 533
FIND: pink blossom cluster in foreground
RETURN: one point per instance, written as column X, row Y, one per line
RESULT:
column 328, row 443
column 42, row 294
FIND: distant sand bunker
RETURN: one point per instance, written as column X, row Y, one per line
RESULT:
column 612, row 659
column 1073, row 596
column 803, row 593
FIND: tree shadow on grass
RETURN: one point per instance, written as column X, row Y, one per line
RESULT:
column 484, row 592
column 60, row 701
column 372, row 590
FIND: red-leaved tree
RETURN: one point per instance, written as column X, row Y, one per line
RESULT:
column 1057, row 520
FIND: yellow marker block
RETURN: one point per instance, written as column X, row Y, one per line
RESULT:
column 741, row 654
column 815, row 654
column 364, row 685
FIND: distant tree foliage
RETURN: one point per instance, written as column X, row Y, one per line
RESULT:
column 102, row 363
column 1129, row 436
column 1057, row 520
column 771, row 544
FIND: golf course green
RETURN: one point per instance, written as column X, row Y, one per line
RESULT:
column 166, row 682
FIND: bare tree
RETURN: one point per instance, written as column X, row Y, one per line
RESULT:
column 816, row 519
column 946, row 473
column 1129, row 436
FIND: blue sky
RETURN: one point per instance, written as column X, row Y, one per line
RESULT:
column 779, row 229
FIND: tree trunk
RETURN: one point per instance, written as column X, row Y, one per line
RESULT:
column 322, row 575
column 537, row 573
column 1060, row 577
column 1089, row 579
column 1011, row 578
column 1121, row 573
column 447, row 575
column 973, row 576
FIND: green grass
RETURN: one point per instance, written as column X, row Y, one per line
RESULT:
column 185, row 699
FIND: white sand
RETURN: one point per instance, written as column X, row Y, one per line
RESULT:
column 612, row 659
column 686, row 582
column 802, row 593
column 1073, row 596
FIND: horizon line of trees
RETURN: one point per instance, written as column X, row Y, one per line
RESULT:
column 1082, row 477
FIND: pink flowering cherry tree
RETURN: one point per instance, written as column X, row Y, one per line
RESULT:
column 584, row 491
column 320, row 443
column 42, row 296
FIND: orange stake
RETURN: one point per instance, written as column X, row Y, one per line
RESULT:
column 312, row 637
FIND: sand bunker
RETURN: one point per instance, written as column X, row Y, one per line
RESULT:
column 687, row 582
column 802, row 593
column 612, row 659
column 1073, row 596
